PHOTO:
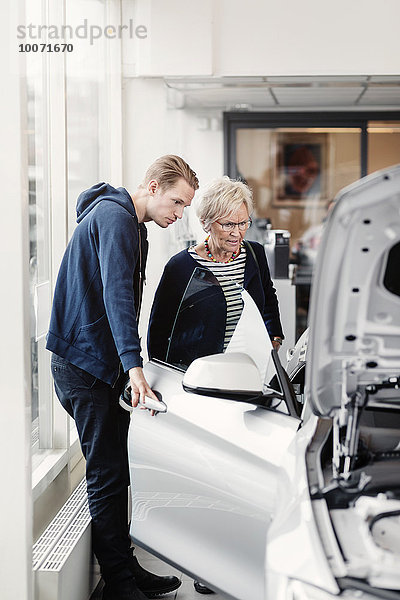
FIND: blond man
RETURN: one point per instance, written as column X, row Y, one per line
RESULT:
column 94, row 339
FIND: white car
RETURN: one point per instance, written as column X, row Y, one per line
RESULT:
column 266, row 494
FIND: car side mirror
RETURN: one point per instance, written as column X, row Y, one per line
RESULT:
column 233, row 375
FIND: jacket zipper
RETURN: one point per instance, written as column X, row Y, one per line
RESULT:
column 140, row 295
column 140, row 276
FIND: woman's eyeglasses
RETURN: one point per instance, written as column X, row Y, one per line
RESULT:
column 243, row 225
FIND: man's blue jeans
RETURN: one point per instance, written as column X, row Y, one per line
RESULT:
column 103, row 432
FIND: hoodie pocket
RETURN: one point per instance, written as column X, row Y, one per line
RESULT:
column 95, row 339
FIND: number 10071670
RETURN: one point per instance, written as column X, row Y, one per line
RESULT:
column 45, row 48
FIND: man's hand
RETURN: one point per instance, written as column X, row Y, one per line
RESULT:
column 140, row 387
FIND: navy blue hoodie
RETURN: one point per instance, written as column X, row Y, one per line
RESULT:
column 98, row 292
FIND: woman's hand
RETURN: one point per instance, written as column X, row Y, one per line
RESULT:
column 276, row 343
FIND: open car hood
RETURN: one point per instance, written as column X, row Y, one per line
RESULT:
column 355, row 302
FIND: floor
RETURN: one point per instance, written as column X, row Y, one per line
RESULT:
column 153, row 564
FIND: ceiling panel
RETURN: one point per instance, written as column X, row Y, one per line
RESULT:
column 228, row 97
column 385, row 79
column 331, row 96
column 263, row 93
column 322, row 80
column 378, row 96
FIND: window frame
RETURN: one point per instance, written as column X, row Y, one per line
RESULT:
column 232, row 121
column 61, row 447
column 318, row 119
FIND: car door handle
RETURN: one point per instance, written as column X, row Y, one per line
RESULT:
column 126, row 402
column 157, row 405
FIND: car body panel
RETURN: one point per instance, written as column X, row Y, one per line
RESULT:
column 294, row 544
column 261, row 505
column 354, row 319
column 202, row 486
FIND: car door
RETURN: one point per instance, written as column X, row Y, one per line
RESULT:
column 204, row 473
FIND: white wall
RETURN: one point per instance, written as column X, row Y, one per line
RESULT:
column 15, row 420
column 313, row 37
column 268, row 38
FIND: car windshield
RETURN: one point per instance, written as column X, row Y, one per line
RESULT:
column 216, row 316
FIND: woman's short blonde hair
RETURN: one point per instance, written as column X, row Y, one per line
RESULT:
column 221, row 198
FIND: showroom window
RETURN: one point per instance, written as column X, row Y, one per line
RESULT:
column 39, row 240
column 383, row 144
column 70, row 109
column 295, row 172
column 85, row 111
column 86, row 106
column 295, row 164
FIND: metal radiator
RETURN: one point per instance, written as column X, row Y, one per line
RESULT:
column 63, row 562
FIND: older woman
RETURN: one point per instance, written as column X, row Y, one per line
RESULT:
column 224, row 214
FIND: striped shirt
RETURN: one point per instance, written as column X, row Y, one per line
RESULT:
column 230, row 276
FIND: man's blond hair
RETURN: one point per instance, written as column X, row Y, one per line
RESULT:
column 167, row 169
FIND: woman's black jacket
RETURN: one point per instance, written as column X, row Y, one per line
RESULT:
column 206, row 332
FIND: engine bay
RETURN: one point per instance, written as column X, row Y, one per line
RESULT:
column 359, row 480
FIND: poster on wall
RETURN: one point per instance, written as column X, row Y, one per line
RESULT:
column 301, row 170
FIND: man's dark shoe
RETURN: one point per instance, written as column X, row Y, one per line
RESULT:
column 150, row 584
column 201, row 588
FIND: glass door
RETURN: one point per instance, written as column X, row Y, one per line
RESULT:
column 296, row 163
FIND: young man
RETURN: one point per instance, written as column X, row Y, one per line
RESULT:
column 94, row 339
